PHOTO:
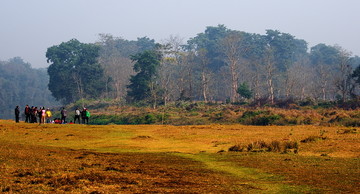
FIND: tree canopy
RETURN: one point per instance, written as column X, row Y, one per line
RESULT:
column 74, row 71
column 142, row 84
column 21, row 85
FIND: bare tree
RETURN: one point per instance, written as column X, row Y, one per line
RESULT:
column 323, row 75
column 233, row 48
column 342, row 81
column 298, row 78
column 270, row 69
column 205, row 74
column 118, row 67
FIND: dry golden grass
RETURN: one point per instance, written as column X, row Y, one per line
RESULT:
column 184, row 159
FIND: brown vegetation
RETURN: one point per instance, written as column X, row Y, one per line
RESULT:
column 186, row 113
column 178, row 159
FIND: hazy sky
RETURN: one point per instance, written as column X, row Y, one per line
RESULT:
column 29, row 27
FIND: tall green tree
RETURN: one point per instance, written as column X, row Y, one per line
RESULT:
column 74, row 71
column 142, row 86
column 210, row 42
column 285, row 47
column 356, row 75
column 322, row 54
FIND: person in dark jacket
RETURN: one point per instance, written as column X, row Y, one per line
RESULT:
column 85, row 114
column 63, row 115
column 17, row 114
column 33, row 114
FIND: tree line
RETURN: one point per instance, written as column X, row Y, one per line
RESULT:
column 20, row 85
column 218, row 64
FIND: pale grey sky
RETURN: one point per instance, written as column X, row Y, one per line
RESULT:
column 29, row 27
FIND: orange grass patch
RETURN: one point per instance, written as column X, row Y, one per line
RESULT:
column 34, row 169
column 37, row 157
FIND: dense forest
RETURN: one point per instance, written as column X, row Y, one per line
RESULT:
column 20, row 85
column 225, row 65
column 217, row 65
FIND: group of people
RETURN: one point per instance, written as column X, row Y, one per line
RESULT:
column 42, row 115
column 34, row 114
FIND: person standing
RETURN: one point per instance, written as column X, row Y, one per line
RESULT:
column 63, row 115
column 17, row 114
column 27, row 114
column 48, row 115
column 39, row 114
column 87, row 116
column 77, row 115
column 33, row 114
column 43, row 115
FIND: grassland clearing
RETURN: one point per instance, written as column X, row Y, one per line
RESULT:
column 183, row 159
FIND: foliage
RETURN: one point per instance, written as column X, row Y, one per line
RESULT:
column 209, row 41
column 142, row 84
column 20, row 85
column 324, row 54
column 187, row 113
column 262, row 146
column 356, row 74
column 313, row 139
column 285, row 48
column 244, row 91
column 259, row 118
column 74, row 72
column 276, row 61
column 276, row 66
column 129, row 119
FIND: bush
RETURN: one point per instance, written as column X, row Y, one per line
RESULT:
column 347, row 131
column 274, row 146
column 262, row 146
column 312, row 139
column 236, row 148
column 266, row 120
column 257, row 146
column 291, row 145
column 288, row 103
column 259, row 118
column 128, row 119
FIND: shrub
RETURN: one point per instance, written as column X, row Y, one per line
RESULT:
column 128, row 119
column 266, row 120
column 250, row 114
column 285, row 103
column 312, row 139
column 347, row 131
column 291, row 146
column 257, row 146
column 262, row 146
column 307, row 102
column 236, row 148
column 274, row 146
column 150, row 119
column 259, row 118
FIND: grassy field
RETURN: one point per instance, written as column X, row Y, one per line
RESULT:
column 178, row 159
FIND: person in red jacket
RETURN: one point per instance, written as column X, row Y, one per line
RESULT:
column 27, row 114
